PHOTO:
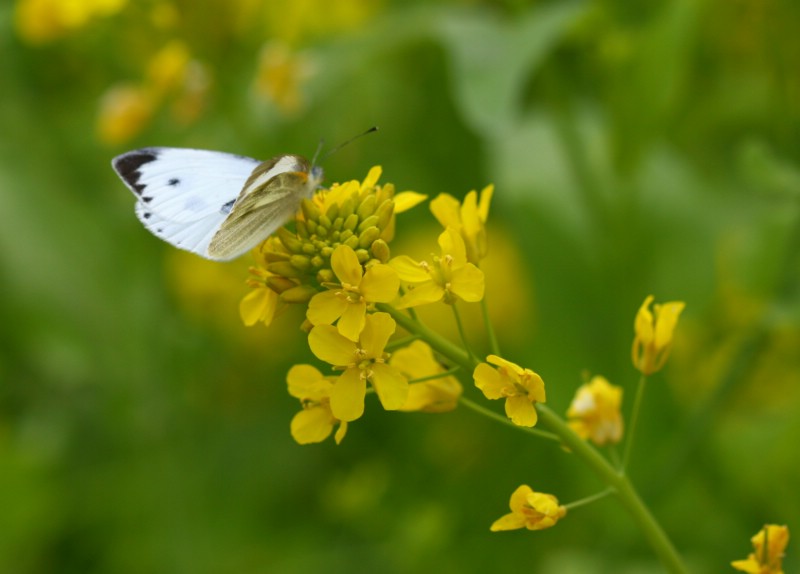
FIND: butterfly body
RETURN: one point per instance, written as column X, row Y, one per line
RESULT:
column 214, row 204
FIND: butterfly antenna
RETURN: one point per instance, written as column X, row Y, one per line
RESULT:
column 344, row 143
column 316, row 153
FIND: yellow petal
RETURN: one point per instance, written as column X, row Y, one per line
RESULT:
column 489, row 381
column 508, row 522
column 486, row 199
column 340, row 432
column 352, row 320
column 468, row 283
column 391, row 386
column 521, row 411
column 258, row 305
column 345, row 264
column 311, row 425
column 452, row 244
column 380, row 284
column 306, row 382
column 421, row 294
column 377, row 330
column 445, row 209
column 347, row 395
column 324, row 308
column 405, row 200
column 519, row 498
column 372, row 177
column 667, row 316
column 409, row 270
column 328, row 345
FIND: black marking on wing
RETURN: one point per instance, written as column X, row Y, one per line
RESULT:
column 127, row 166
column 226, row 208
column 147, row 199
column 174, row 181
column 147, row 215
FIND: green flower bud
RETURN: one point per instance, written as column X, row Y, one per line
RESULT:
column 351, row 222
column 333, row 211
column 326, row 276
column 317, row 261
column 279, row 284
column 370, row 221
column 380, row 250
column 367, row 207
column 298, row 294
column 284, row 269
column 310, row 210
column 352, row 242
column 301, row 262
column 363, row 255
column 369, row 235
column 289, row 240
column 384, row 213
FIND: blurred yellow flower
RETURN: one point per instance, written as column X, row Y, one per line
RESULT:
column 654, row 330
column 522, row 388
column 469, row 219
column 316, row 421
column 347, row 301
column 531, row 510
column 124, row 111
column 363, row 361
column 280, row 76
column 449, row 277
column 595, row 411
column 769, row 546
column 41, row 21
column 166, row 70
column 437, row 395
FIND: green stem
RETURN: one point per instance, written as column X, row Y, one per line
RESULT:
column 616, row 480
column 461, row 330
column 637, row 405
column 505, row 420
column 627, row 495
column 442, row 375
column 589, row 499
column 401, row 342
column 493, row 344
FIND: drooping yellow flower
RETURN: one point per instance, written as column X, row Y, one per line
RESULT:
column 468, row 218
column 595, row 411
column 654, row 330
column 316, row 421
column 347, row 301
column 521, row 388
column 531, row 510
column 449, row 276
column 437, row 395
column 362, row 361
column 769, row 546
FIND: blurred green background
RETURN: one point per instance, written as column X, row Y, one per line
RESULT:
column 636, row 148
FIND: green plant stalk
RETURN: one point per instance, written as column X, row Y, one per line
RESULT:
column 624, row 490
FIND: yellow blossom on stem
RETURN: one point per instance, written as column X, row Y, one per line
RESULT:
column 436, row 395
column 653, row 340
column 448, row 277
column 316, row 421
column 362, row 361
column 769, row 546
column 595, row 411
column 521, row 388
column 347, row 301
column 531, row 510
column 467, row 218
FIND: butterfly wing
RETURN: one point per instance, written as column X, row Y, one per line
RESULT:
column 184, row 195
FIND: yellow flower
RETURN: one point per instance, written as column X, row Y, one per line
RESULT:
column 166, row 70
column 654, row 330
column 769, row 546
column 124, row 111
column 595, row 412
column 522, row 388
column 41, row 21
column 448, row 278
column 532, row 510
column 437, row 395
column 347, row 301
column 280, row 76
column 469, row 219
column 362, row 361
column 315, row 422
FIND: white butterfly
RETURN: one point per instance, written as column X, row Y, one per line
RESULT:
column 217, row 205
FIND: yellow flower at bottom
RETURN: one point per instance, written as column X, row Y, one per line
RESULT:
column 595, row 413
column 362, row 361
column 432, row 396
column 769, row 546
column 522, row 388
column 653, row 340
column 315, row 422
column 531, row 510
